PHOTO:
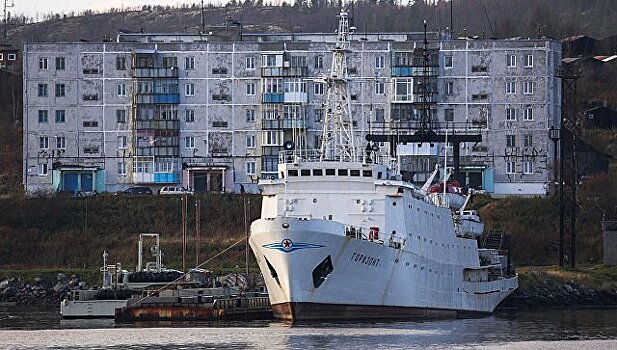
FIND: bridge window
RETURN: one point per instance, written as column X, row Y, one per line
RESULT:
column 342, row 172
column 330, row 172
column 354, row 172
column 292, row 172
column 305, row 172
column 317, row 172
column 367, row 173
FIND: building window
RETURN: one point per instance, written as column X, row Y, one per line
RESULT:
column 90, row 124
column 42, row 169
column 12, row 57
column 272, row 138
column 510, row 87
column 250, row 141
column 380, row 62
column 189, row 89
column 319, row 88
column 122, row 142
column 510, row 114
column 403, row 90
column 380, row 88
column 60, row 90
column 528, row 87
column 60, row 116
column 60, row 63
column 189, row 63
column 510, row 141
column 448, row 62
column 43, row 63
column 528, row 114
column 448, row 114
column 510, row 61
column 528, row 167
column 528, row 140
column 250, row 115
column 43, row 142
column 43, row 115
column 60, row 142
column 250, row 63
column 318, row 62
column 511, row 167
column 220, row 70
column 170, row 62
column 380, row 115
column 250, row 89
column 250, row 167
column 121, row 90
column 120, row 63
column 189, row 142
column 449, row 87
column 319, row 115
column 120, row 115
column 121, row 168
column 528, row 61
column 189, row 115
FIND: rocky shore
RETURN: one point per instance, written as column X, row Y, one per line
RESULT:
column 569, row 294
column 39, row 291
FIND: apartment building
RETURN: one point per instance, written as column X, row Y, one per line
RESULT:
column 212, row 112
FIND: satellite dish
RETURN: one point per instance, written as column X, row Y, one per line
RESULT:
column 288, row 145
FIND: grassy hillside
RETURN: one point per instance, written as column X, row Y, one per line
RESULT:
column 73, row 232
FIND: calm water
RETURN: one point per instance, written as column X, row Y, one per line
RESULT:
column 22, row 327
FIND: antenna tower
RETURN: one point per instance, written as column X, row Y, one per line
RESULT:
column 337, row 137
column 7, row 5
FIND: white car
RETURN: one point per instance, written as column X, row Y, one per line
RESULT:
column 174, row 190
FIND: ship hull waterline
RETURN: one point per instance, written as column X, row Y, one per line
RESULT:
column 368, row 280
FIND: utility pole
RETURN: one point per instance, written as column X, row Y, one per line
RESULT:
column 197, row 231
column 203, row 22
column 6, row 5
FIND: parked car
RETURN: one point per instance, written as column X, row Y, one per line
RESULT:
column 137, row 190
column 174, row 190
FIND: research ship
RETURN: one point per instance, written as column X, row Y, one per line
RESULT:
column 342, row 236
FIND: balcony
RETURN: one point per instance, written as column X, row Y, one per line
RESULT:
column 169, row 98
column 409, row 71
column 162, row 151
column 278, row 124
column 156, row 178
column 158, row 125
column 284, row 71
column 147, row 72
column 273, row 98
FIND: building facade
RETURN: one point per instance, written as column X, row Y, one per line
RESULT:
column 213, row 113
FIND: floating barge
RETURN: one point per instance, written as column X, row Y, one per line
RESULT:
column 176, row 305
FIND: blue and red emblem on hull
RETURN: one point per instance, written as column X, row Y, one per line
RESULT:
column 288, row 246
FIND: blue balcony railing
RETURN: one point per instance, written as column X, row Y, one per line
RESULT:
column 273, row 98
column 170, row 98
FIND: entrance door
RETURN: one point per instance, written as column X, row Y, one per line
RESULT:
column 216, row 182
column 475, row 180
column 199, row 182
column 69, row 182
column 86, row 182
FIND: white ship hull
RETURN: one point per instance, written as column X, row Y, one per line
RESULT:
column 90, row 308
column 368, row 279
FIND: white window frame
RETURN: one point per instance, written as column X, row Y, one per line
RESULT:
column 121, row 168
column 528, row 87
column 408, row 84
column 448, row 62
column 251, row 141
column 43, row 63
column 12, row 57
column 449, row 87
column 189, row 142
column 189, row 63
column 43, row 142
column 511, row 167
column 122, row 142
column 189, row 115
column 380, row 62
column 249, row 63
column 250, row 115
column 43, row 169
column 250, row 89
column 60, row 142
column 380, row 88
column 318, row 64
column 189, row 89
column 510, row 114
column 528, row 167
column 272, row 138
column 510, row 61
column 529, row 60
column 528, row 114
column 319, row 88
column 510, row 87
column 251, row 167
column 121, row 89
column 1, row 57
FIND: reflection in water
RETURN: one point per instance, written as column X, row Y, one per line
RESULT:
column 24, row 327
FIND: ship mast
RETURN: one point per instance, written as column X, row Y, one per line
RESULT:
column 337, row 137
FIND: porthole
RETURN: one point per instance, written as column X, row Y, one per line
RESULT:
column 394, row 203
column 314, row 200
column 357, row 201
